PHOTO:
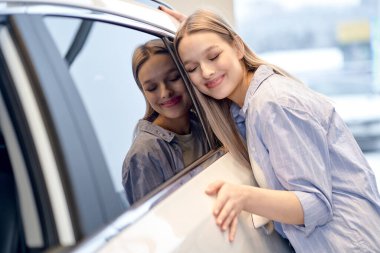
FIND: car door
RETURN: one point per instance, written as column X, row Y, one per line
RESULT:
column 182, row 222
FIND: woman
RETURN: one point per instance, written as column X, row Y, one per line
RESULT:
column 320, row 192
column 168, row 138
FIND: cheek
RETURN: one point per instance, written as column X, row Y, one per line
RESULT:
column 195, row 80
column 151, row 98
column 179, row 88
column 187, row 101
column 202, row 90
column 198, row 87
column 185, row 96
column 179, row 85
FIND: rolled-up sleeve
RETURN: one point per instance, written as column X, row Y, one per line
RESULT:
column 299, row 156
column 316, row 211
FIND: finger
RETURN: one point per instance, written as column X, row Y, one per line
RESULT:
column 214, row 187
column 221, row 200
column 228, row 219
column 175, row 14
column 223, row 215
column 233, row 229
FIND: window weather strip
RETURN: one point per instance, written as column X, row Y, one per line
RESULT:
column 79, row 41
column 43, row 146
column 29, row 214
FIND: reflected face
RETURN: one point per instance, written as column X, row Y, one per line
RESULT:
column 163, row 87
column 213, row 64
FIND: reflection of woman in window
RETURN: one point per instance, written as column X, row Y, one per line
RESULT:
column 168, row 138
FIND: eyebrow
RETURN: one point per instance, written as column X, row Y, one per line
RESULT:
column 205, row 51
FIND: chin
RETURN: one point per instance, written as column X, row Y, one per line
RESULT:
column 218, row 96
column 174, row 116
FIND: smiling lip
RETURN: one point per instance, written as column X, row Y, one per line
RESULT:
column 171, row 102
column 215, row 82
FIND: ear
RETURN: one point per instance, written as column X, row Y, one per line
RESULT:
column 239, row 47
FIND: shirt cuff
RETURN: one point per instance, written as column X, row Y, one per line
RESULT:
column 317, row 212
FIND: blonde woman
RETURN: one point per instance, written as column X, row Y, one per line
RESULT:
column 321, row 192
column 168, row 138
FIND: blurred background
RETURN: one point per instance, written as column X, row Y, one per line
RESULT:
column 333, row 46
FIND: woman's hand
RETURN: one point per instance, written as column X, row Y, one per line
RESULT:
column 175, row 14
column 230, row 201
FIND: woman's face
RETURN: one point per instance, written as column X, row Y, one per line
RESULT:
column 213, row 65
column 163, row 87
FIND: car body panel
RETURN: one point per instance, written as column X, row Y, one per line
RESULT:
column 183, row 221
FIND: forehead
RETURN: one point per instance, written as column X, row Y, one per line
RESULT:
column 156, row 66
column 199, row 42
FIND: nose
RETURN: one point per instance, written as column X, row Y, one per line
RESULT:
column 207, row 71
column 165, row 91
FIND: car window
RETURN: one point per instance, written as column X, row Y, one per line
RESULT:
column 99, row 56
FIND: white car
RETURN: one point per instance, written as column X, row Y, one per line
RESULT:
column 68, row 108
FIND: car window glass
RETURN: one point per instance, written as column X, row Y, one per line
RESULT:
column 99, row 56
column 64, row 36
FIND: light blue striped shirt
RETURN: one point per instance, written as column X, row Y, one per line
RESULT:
column 303, row 146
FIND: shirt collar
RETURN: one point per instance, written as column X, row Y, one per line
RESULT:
column 260, row 75
column 236, row 113
column 149, row 127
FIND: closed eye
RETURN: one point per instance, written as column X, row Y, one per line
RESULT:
column 214, row 57
column 174, row 78
column 190, row 70
column 151, row 88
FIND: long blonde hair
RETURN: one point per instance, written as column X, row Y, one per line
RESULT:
column 142, row 54
column 218, row 111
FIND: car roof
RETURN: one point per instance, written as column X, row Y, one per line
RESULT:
column 125, row 8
